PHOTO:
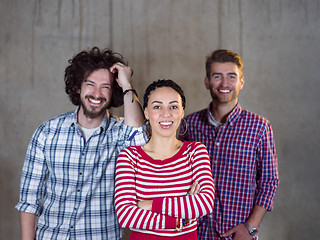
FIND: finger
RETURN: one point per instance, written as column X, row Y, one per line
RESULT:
column 191, row 191
column 193, row 188
column 228, row 233
column 118, row 64
column 197, row 189
column 115, row 67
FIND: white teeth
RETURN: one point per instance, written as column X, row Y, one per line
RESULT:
column 95, row 101
column 166, row 123
column 224, row 91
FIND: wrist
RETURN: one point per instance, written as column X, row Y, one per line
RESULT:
column 126, row 87
column 252, row 230
column 133, row 93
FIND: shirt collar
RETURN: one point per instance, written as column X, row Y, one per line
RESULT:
column 104, row 124
column 231, row 119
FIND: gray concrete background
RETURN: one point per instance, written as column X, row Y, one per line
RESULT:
column 279, row 43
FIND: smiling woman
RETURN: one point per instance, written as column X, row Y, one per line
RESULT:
column 165, row 185
column 164, row 113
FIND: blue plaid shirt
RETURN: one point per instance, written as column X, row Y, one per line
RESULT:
column 69, row 182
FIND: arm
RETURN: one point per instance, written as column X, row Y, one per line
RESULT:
column 267, row 169
column 32, row 184
column 27, row 225
column 147, row 204
column 133, row 114
column 128, row 212
column 267, row 184
column 191, row 206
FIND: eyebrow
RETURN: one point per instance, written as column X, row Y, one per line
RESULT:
column 88, row 80
column 218, row 73
column 171, row 102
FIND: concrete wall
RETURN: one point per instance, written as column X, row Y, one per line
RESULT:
column 278, row 40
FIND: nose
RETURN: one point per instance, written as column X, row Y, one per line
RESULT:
column 165, row 112
column 97, row 92
column 223, row 81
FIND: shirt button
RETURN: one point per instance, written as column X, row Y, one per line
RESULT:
column 217, row 143
column 78, row 190
column 80, row 173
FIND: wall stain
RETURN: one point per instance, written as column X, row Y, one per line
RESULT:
column 220, row 9
column 111, row 24
column 59, row 13
column 35, row 20
column 80, row 24
column 240, row 28
column 147, row 38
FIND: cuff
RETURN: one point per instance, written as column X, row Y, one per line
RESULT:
column 29, row 208
column 157, row 205
column 171, row 222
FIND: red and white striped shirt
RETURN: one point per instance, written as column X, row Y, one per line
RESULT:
column 166, row 182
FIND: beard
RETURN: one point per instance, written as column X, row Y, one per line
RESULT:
column 224, row 99
column 94, row 112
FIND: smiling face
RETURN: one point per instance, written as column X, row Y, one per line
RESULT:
column 224, row 83
column 164, row 111
column 96, row 93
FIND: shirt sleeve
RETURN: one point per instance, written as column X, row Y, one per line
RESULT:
column 33, row 175
column 268, row 179
column 192, row 206
column 135, row 136
column 128, row 212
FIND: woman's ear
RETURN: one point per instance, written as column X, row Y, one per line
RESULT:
column 146, row 114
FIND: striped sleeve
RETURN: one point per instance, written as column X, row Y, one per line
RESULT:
column 128, row 212
column 191, row 206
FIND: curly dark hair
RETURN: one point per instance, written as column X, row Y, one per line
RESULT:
column 86, row 62
column 222, row 56
column 163, row 83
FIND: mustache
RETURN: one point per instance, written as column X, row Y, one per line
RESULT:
column 99, row 98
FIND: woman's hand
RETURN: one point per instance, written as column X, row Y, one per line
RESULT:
column 147, row 205
column 195, row 188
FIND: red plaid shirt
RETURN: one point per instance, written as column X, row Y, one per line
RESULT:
column 244, row 167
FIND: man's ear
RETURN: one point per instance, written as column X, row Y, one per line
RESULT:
column 207, row 82
column 241, row 82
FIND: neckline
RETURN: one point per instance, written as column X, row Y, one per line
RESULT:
column 174, row 157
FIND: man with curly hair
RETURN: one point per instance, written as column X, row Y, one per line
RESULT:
column 67, row 182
